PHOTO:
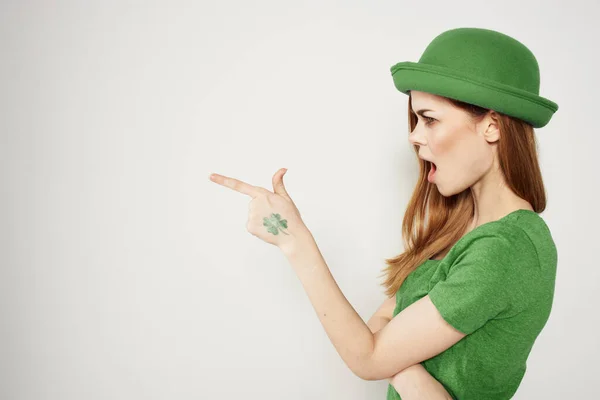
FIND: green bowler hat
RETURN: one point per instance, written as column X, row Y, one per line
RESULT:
column 482, row 67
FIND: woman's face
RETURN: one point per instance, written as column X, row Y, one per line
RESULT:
column 463, row 151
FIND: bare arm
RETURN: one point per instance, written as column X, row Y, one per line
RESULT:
column 414, row 382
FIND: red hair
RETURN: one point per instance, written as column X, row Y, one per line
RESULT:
column 433, row 223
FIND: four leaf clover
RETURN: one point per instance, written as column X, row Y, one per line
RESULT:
column 275, row 223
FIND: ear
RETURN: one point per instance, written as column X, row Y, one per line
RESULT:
column 491, row 128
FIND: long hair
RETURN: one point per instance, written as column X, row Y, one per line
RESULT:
column 433, row 223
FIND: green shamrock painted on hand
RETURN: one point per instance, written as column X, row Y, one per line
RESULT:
column 274, row 224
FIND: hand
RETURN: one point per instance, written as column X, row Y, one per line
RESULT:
column 273, row 216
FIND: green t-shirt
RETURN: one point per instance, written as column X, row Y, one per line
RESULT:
column 496, row 285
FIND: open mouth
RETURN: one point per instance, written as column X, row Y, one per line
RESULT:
column 432, row 170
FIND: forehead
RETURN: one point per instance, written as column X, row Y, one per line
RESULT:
column 420, row 100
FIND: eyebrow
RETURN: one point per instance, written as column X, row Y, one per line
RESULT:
column 420, row 112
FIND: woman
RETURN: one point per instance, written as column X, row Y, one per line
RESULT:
column 474, row 286
column 480, row 253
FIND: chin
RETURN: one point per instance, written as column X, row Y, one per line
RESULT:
column 445, row 193
column 450, row 191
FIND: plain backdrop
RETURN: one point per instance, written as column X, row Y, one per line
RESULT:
column 127, row 274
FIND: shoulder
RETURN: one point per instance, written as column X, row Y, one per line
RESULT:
column 497, row 242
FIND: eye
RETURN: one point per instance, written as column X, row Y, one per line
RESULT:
column 428, row 120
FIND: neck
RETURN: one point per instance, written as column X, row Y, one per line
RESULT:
column 493, row 199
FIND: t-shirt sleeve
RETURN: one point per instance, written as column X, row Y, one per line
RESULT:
column 482, row 280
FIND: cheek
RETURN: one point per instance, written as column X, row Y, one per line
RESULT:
column 472, row 159
column 447, row 147
column 460, row 155
column 442, row 143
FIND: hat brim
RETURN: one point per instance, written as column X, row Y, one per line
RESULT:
column 532, row 108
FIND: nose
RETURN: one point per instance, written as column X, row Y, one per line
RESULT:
column 416, row 137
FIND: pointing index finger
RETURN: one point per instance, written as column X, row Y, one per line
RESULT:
column 236, row 185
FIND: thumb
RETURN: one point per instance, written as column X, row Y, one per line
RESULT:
column 278, row 186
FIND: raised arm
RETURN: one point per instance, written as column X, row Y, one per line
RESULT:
column 414, row 382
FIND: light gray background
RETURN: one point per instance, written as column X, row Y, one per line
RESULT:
column 127, row 274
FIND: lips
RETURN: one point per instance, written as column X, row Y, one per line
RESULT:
column 432, row 172
column 425, row 159
column 432, row 168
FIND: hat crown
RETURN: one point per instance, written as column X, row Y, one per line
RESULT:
column 485, row 54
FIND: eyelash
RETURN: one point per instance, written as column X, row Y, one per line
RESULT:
column 428, row 120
